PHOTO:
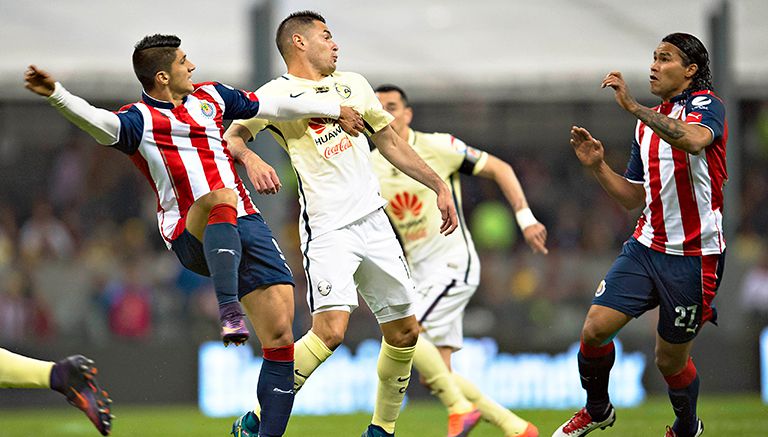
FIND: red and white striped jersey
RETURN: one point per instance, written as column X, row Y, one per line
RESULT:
column 683, row 212
column 181, row 150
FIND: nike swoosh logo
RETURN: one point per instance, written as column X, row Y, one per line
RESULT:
column 297, row 372
column 297, row 95
column 403, row 379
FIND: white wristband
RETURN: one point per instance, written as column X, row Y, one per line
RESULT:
column 525, row 218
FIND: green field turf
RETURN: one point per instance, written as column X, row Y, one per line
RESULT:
column 733, row 416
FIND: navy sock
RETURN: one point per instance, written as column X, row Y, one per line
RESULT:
column 595, row 372
column 223, row 250
column 683, row 390
column 275, row 393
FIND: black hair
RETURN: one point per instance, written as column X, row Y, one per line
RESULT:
column 152, row 54
column 693, row 52
column 294, row 23
column 393, row 88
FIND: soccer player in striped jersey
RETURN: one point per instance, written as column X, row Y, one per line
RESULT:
column 205, row 214
column 446, row 269
column 347, row 242
column 674, row 259
column 74, row 377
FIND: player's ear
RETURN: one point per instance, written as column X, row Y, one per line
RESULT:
column 691, row 70
column 298, row 40
column 162, row 78
column 408, row 114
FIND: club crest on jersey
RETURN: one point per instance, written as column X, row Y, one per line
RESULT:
column 600, row 289
column 208, row 110
column 343, row 90
column 324, row 288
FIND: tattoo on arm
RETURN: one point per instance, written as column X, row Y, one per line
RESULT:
column 669, row 127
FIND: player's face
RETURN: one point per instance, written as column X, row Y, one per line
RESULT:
column 180, row 76
column 669, row 77
column 394, row 104
column 322, row 52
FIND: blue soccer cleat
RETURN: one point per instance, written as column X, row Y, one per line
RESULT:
column 241, row 429
column 79, row 385
column 376, row 431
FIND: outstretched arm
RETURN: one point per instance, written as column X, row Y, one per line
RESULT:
column 502, row 173
column 691, row 138
column 397, row 151
column 102, row 125
column 591, row 153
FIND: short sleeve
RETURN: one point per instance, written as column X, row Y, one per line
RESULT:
column 374, row 115
column 131, row 129
column 254, row 125
column 708, row 110
column 237, row 103
column 635, row 172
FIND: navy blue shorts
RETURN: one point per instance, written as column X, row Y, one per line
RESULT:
column 262, row 263
column 683, row 288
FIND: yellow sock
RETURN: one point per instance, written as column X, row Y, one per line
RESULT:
column 428, row 361
column 17, row 371
column 394, row 371
column 308, row 354
column 499, row 416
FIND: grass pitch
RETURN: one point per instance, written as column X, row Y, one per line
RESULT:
column 736, row 416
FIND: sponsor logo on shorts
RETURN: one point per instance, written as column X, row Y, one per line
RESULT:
column 600, row 289
column 324, row 288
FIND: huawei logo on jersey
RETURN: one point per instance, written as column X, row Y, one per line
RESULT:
column 341, row 146
column 403, row 202
column 318, row 124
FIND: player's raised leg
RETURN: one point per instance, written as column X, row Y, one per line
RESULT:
column 596, row 357
column 676, row 365
column 212, row 219
column 74, row 377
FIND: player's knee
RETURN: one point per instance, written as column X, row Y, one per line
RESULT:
column 222, row 195
column 331, row 337
column 669, row 363
column 593, row 334
column 404, row 337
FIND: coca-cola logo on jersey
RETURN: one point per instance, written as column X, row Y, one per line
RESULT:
column 332, row 151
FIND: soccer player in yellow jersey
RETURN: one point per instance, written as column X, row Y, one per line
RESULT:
column 347, row 241
column 74, row 377
column 447, row 269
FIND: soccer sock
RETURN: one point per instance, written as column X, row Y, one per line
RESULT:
column 683, row 389
column 497, row 415
column 223, row 250
column 595, row 365
column 18, row 371
column 309, row 353
column 275, row 390
column 394, row 369
column 428, row 361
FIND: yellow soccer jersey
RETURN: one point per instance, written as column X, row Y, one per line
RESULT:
column 337, row 185
column 413, row 208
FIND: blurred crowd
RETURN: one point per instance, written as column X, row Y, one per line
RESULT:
column 80, row 254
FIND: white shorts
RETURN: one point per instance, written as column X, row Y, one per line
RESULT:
column 440, row 305
column 363, row 256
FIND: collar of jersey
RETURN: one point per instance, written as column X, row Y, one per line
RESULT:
column 682, row 96
column 289, row 76
column 162, row 104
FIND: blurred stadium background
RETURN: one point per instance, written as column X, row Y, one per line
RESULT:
column 83, row 269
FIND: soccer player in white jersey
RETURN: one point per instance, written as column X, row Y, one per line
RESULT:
column 447, row 269
column 74, row 377
column 347, row 242
column 675, row 258
column 205, row 214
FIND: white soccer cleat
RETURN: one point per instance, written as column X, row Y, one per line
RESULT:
column 582, row 424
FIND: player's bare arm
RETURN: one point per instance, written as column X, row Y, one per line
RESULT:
column 591, row 154
column 263, row 177
column 397, row 151
column 504, row 175
column 690, row 138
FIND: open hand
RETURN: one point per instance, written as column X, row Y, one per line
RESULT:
column 589, row 150
column 615, row 80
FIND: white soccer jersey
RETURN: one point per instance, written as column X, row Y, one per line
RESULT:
column 335, row 181
column 413, row 208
